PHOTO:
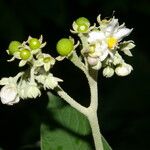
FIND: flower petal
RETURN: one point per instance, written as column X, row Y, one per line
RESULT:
column 111, row 26
column 22, row 63
column 102, row 51
column 47, row 66
column 95, row 36
column 121, row 33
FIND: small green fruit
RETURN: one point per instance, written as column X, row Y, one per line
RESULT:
column 25, row 54
column 34, row 43
column 13, row 47
column 83, row 24
column 64, row 46
column 82, row 20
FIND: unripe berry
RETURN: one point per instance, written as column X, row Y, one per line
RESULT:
column 83, row 24
column 25, row 54
column 13, row 47
column 64, row 46
column 82, row 20
column 34, row 43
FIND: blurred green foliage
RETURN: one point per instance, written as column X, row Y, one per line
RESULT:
column 124, row 102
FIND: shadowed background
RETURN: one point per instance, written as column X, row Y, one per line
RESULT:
column 124, row 102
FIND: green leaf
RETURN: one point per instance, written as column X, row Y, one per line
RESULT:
column 55, row 102
column 105, row 144
column 68, row 116
column 61, row 139
column 69, row 130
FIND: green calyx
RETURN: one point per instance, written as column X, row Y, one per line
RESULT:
column 13, row 47
column 64, row 46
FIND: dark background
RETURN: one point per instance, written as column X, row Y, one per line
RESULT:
column 124, row 102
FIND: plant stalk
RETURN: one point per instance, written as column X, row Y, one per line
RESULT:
column 93, row 120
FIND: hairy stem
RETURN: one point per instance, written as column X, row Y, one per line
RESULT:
column 92, row 117
column 91, row 111
column 70, row 100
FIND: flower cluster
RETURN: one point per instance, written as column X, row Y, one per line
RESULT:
column 102, row 44
column 28, row 84
column 100, row 47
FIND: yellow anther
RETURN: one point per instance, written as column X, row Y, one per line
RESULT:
column 112, row 42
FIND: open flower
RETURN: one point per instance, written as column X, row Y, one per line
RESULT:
column 45, row 60
column 48, row 81
column 105, row 41
column 28, row 90
column 108, row 37
column 32, row 91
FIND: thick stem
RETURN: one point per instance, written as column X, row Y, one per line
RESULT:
column 91, row 111
column 92, row 80
column 91, row 76
column 92, row 117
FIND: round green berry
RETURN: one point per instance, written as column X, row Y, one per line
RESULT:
column 25, row 54
column 34, row 43
column 13, row 47
column 82, row 20
column 64, row 46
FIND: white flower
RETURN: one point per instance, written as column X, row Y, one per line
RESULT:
column 112, row 29
column 49, row 81
column 28, row 90
column 32, row 91
column 95, row 36
column 9, row 94
column 45, row 60
column 106, row 40
column 108, row 72
column 123, row 70
column 101, row 47
column 22, row 89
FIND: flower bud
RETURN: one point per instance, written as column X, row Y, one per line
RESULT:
column 108, row 72
column 97, row 66
column 123, row 70
column 92, row 61
column 9, row 95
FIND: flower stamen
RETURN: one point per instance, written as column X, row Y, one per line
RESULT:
column 112, row 42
